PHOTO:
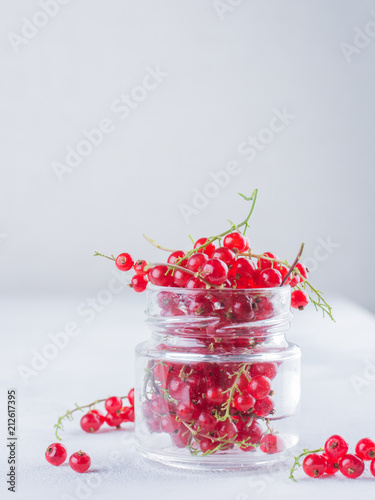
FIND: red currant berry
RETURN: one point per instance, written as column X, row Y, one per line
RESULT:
column 244, row 401
column 90, row 422
column 332, row 466
column 208, row 445
column 56, row 454
column 175, row 258
column 365, row 449
column 224, row 254
column 266, row 263
column 168, row 300
column 195, row 283
column 80, row 461
column 226, row 429
column 138, row 283
column 196, row 262
column 208, row 250
column 302, row 269
column 248, row 244
column 259, row 386
column 113, row 404
column 180, row 278
column 161, row 372
column 127, row 414
column 215, row 271
column 251, row 434
column 131, row 397
column 158, row 275
column 235, row 241
column 314, row 465
column 351, row 466
column 186, row 411
column 181, row 437
column 169, row 424
column 271, row 443
column 114, row 419
column 124, row 262
column 242, row 308
column 139, row 267
column 215, row 395
column 243, row 269
column 100, row 416
column 178, row 389
column 206, row 422
column 200, row 306
column 269, row 278
column 372, row 467
column 263, row 407
column 336, row 447
column 268, row 369
column 294, row 279
column 299, row 299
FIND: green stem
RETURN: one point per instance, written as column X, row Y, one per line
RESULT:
column 297, row 462
column 96, row 254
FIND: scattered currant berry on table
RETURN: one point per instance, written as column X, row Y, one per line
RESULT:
column 100, row 416
column 314, row 465
column 113, row 404
column 80, row 461
column 131, row 397
column 365, row 449
column 127, row 414
column 351, row 466
column 299, row 299
column 124, row 262
column 336, row 447
column 332, row 466
column 91, row 422
column 56, row 454
column 114, row 419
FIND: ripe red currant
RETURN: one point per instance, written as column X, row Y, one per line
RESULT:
column 206, row 422
column 299, row 299
column 332, row 466
column 124, row 262
column 175, row 258
column 131, row 397
column 56, row 454
column 215, row 271
column 263, row 407
column 139, row 267
column 314, row 465
column 365, row 449
column 269, row 278
column 196, row 262
column 224, row 254
column 243, row 269
column 267, row 264
column 114, row 419
column 208, row 250
column 100, row 415
column 195, row 283
column 236, row 241
column 351, row 466
column 80, row 461
column 268, row 369
column 127, row 414
column 160, row 275
column 259, row 386
column 215, row 395
column 200, row 306
column 90, row 422
column 226, row 429
column 168, row 300
column 336, row 447
column 138, row 283
column 169, row 424
column 180, row 278
column 186, row 411
column 302, row 269
column 113, row 404
column 242, row 308
column 207, row 444
column 244, row 401
column 271, row 443
column 181, row 437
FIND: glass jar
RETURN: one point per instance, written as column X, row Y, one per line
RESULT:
column 218, row 385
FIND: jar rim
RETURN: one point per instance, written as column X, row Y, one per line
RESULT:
column 152, row 287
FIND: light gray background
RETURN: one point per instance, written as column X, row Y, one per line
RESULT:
column 225, row 76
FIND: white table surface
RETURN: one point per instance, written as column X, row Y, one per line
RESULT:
column 99, row 363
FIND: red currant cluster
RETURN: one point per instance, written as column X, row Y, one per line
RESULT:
column 335, row 458
column 56, row 455
column 209, row 407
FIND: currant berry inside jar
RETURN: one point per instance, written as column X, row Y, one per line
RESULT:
column 218, row 385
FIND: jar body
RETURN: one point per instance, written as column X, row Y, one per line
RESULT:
column 217, row 385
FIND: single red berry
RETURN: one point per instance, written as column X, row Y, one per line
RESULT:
column 196, row 262
column 207, row 444
column 314, row 465
column 268, row 369
column 365, row 449
column 271, row 443
column 294, row 279
column 181, row 437
column 200, row 306
column 90, row 422
column 302, row 269
column 267, row 263
column 138, row 283
column 178, row 389
column 224, row 254
column 100, row 415
column 299, row 299
column 336, row 447
column 161, row 372
column 372, row 467
column 215, row 395
column 242, row 308
column 195, row 283
column 80, row 461
column 248, row 244
column 215, row 271
column 169, row 424
column 206, row 422
column 226, row 429
column 259, row 386
column 180, row 278
column 113, row 404
column 208, row 250
column 250, row 433
column 131, row 397
column 168, row 300
column 56, row 454
column 244, row 401
column 243, row 269
column 124, row 262
column 160, row 275
column 114, row 419
column 177, row 257
column 139, row 267
column 263, row 407
column 332, row 466
column 269, row 278
column 236, row 241
column 186, row 411
column 127, row 414
column 351, row 466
